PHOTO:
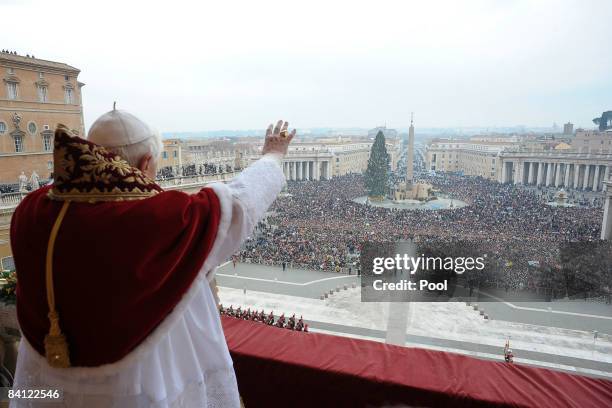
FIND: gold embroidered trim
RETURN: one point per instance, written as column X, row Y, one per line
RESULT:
column 86, row 172
column 94, row 198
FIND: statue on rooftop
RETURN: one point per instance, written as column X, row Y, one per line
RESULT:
column 604, row 121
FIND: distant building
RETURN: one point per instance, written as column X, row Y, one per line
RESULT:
column 568, row 128
column 35, row 96
column 322, row 159
column 171, row 155
column 478, row 157
column 389, row 133
column 585, row 165
column 593, row 141
column 222, row 154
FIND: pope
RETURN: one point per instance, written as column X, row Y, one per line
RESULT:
column 113, row 295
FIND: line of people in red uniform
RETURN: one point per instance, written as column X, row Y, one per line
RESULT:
column 282, row 322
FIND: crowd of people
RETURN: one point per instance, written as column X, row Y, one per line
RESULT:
column 192, row 170
column 317, row 225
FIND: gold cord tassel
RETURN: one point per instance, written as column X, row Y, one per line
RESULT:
column 56, row 346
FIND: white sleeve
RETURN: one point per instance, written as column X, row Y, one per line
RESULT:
column 244, row 201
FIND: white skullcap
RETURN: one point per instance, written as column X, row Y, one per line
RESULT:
column 119, row 128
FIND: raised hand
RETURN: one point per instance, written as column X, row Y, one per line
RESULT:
column 278, row 139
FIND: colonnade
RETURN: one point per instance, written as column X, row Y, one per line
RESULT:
column 306, row 170
column 570, row 175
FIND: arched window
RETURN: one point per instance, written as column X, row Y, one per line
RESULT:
column 2, row 128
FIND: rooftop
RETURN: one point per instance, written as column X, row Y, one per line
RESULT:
column 6, row 56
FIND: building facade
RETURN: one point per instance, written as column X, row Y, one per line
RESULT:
column 478, row 157
column 171, row 155
column 586, row 165
column 199, row 156
column 582, row 164
column 571, row 170
column 322, row 159
column 35, row 96
column 593, row 141
column 332, row 158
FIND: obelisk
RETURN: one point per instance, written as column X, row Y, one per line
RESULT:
column 410, row 161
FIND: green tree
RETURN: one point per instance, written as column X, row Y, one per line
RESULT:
column 378, row 168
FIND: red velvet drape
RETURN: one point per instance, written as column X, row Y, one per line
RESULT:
column 282, row 368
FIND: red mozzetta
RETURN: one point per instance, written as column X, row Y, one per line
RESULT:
column 119, row 266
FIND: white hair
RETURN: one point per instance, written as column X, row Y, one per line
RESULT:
column 132, row 153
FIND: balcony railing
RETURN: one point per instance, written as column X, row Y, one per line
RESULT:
column 9, row 201
column 282, row 368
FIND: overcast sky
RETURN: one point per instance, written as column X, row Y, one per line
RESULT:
column 206, row 65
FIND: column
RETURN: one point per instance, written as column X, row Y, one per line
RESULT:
column 566, row 179
column 606, row 225
column 549, row 172
column 596, row 178
column 531, row 174
column 606, row 177
column 504, row 172
column 576, row 175
column 316, row 165
column 309, row 167
column 518, row 173
column 540, row 174
column 558, row 175
column 299, row 170
column 585, row 185
column 305, row 170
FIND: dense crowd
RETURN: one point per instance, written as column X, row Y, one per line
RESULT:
column 317, row 225
column 192, row 170
column 9, row 188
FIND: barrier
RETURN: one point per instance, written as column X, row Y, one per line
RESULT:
column 283, row 368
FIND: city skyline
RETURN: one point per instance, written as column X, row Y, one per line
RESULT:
column 334, row 65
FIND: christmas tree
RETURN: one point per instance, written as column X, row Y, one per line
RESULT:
column 378, row 167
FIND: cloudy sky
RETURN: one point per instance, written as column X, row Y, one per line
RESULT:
column 206, row 65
